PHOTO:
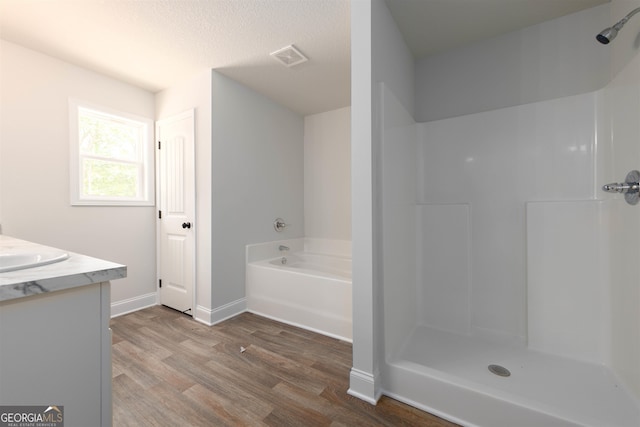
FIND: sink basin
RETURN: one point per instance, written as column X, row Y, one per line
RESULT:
column 22, row 260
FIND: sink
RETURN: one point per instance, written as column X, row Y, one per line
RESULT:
column 21, row 260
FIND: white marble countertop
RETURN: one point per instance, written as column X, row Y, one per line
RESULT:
column 77, row 270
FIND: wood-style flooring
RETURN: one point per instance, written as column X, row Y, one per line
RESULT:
column 169, row 370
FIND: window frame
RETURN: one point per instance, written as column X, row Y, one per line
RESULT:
column 146, row 188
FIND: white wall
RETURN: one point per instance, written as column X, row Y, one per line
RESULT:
column 327, row 175
column 393, row 74
column 257, row 176
column 626, row 44
column 195, row 93
column 379, row 54
column 34, row 169
column 553, row 59
column 392, row 60
column 623, row 107
column 399, row 192
column 362, row 377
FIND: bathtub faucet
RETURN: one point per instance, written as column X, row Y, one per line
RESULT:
column 283, row 248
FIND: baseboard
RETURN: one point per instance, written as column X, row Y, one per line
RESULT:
column 363, row 386
column 130, row 305
column 212, row 316
column 301, row 326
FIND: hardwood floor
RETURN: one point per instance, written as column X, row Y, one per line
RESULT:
column 169, row 370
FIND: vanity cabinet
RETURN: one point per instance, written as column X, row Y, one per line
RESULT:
column 55, row 341
column 55, row 349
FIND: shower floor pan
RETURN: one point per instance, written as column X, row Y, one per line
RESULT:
column 447, row 374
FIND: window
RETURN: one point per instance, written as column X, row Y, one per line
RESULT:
column 111, row 157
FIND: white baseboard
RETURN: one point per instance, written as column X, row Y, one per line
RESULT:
column 130, row 305
column 211, row 317
column 363, row 386
column 300, row 325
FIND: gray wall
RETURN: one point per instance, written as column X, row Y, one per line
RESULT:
column 256, row 176
column 517, row 68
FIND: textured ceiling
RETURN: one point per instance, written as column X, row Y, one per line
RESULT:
column 432, row 26
column 156, row 44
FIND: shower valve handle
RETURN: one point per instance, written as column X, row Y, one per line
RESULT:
column 279, row 224
column 630, row 188
column 623, row 187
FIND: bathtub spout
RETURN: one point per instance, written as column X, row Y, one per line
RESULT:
column 283, row 248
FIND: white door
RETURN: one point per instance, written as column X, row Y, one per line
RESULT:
column 175, row 157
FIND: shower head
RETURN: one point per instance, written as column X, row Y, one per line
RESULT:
column 607, row 35
column 610, row 33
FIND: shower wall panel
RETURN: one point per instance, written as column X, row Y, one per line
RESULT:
column 495, row 162
column 444, row 243
column 567, row 283
column 625, row 294
column 622, row 97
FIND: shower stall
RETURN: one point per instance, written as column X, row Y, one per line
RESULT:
column 510, row 281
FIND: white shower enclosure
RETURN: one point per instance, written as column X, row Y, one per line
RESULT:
column 500, row 248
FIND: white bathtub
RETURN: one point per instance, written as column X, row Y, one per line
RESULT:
column 332, row 267
column 310, row 290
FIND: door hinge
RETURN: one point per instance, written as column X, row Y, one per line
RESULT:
column 159, row 145
column 159, row 214
column 159, row 283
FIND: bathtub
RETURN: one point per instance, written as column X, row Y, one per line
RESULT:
column 306, row 289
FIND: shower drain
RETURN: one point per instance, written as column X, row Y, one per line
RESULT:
column 499, row 370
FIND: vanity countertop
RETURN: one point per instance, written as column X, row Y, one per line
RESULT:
column 77, row 270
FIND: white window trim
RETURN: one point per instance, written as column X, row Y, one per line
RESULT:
column 75, row 178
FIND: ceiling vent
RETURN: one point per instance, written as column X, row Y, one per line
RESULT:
column 289, row 56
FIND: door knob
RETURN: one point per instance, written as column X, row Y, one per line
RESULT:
column 186, row 225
